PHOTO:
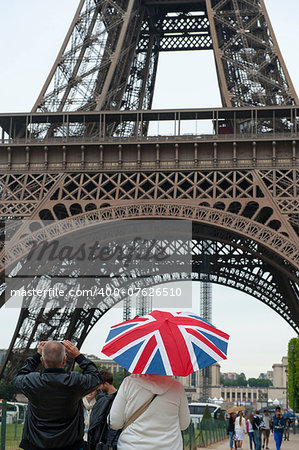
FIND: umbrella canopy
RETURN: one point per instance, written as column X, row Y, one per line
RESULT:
column 166, row 343
column 235, row 409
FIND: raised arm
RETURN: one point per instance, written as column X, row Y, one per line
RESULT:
column 90, row 378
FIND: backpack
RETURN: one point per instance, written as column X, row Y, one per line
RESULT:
column 262, row 425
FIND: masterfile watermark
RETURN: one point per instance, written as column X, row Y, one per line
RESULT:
column 140, row 249
column 73, row 264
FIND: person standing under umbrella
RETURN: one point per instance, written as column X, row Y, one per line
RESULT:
column 231, row 429
column 151, row 407
column 240, row 429
column 160, row 425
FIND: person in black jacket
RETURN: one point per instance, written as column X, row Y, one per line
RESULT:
column 54, row 418
column 99, row 430
column 231, row 429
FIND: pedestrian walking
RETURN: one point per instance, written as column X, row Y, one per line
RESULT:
column 266, row 420
column 54, row 418
column 152, row 410
column 250, row 430
column 286, row 430
column 231, row 429
column 240, row 429
column 278, row 427
column 257, row 432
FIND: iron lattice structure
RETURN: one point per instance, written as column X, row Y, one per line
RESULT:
column 240, row 190
column 109, row 58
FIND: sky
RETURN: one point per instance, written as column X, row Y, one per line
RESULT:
column 31, row 34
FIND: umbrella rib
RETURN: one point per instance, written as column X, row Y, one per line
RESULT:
column 139, row 353
column 163, row 353
column 204, row 345
column 190, row 349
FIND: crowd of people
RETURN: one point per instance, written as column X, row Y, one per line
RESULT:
column 258, row 427
column 83, row 410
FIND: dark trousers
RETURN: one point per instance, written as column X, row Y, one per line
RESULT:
column 231, row 442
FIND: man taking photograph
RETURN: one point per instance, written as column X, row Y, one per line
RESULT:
column 54, row 417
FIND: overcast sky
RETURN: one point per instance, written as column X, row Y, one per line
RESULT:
column 31, row 33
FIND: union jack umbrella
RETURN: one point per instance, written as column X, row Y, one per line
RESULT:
column 166, row 343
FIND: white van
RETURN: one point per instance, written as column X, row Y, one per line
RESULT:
column 197, row 410
column 15, row 412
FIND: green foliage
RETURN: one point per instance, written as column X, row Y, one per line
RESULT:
column 241, row 381
column 118, row 378
column 207, row 414
column 221, row 415
column 293, row 362
column 8, row 391
column 259, row 382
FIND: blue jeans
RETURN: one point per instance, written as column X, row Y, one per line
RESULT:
column 251, row 438
column 231, row 442
column 278, row 439
column 257, row 434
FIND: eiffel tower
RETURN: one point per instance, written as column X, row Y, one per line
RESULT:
column 85, row 152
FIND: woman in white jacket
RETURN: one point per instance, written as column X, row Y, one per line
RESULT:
column 160, row 425
column 240, row 429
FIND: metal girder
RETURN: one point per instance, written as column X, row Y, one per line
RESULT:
column 234, row 262
column 109, row 57
column 174, row 31
column 250, row 67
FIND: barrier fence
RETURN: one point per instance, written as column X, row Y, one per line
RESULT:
column 204, row 433
column 12, row 416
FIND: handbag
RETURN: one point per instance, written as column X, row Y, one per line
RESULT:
column 141, row 410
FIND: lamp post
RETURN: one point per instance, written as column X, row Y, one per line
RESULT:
column 293, row 387
column 287, row 389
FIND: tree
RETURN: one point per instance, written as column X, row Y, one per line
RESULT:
column 8, row 391
column 293, row 362
column 207, row 413
column 239, row 381
column 259, row 382
column 119, row 377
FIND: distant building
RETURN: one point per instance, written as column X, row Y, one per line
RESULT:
column 267, row 376
column 2, row 354
column 255, row 397
column 230, row 376
column 109, row 364
column 280, row 373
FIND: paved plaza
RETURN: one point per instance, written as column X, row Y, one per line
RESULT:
column 292, row 444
